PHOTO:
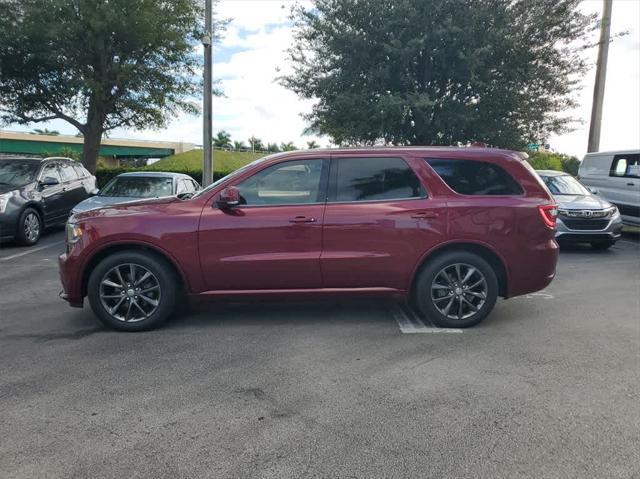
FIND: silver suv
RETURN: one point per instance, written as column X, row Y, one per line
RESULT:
column 582, row 216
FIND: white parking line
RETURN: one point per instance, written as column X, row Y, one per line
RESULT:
column 31, row 250
column 410, row 323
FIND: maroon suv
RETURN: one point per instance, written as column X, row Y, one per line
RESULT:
column 449, row 229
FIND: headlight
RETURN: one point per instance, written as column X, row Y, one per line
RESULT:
column 4, row 201
column 74, row 233
column 612, row 211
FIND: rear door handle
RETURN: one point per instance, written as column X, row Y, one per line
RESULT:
column 421, row 215
column 630, row 184
column 303, row 219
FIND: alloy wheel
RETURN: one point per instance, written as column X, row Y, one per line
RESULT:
column 130, row 292
column 31, row 227
column 459, row 291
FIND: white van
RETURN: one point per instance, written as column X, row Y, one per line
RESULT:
column 615, row 175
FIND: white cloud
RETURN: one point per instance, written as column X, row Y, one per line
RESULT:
column 621, row 109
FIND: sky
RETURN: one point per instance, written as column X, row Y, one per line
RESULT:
column 251, row 55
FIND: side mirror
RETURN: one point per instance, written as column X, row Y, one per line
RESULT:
column 48, row 181
column 229, row 197
column 593, row 191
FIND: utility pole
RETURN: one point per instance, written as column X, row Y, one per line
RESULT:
column 207, row 160
column 601, row 74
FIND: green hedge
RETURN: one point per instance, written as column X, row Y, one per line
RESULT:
column 554, row 161
column 103, row 175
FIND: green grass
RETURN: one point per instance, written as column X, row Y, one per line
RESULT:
column 192, row 161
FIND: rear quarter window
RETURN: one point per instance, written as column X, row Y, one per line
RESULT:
column 468, row 177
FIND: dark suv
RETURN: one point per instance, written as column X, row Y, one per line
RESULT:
column 449, row 229
column 36, row 193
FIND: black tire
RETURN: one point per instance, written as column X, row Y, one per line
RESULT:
column 602, row 245
column 164, row 296
column 437, row 267
column 29, row 233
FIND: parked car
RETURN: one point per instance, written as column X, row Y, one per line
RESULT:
column 582, row 216
column 37, row 193
column 134, row 186
column 449, row 229
column 615, row 175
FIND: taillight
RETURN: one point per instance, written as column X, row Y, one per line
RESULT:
column 549, row 214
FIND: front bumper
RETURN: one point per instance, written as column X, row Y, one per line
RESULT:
column 584, row 231
column 71, row 281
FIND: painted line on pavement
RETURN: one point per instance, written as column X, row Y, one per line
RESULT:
column 31, row 250
column 410, row 323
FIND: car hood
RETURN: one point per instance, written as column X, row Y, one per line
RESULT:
column 102, row 201
column 9, row 188
column 581, row 202
column 121, row 207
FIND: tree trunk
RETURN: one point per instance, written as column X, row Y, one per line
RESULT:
column 92, row 137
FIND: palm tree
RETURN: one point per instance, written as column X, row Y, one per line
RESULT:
column 289, row 146
column 239, row 145
column 256, row 143
column 44, row 131
column 312, row 144
column 222, row 140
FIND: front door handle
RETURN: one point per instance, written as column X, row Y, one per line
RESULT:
column 630, row 184
column 422, row 215
column 303, row 219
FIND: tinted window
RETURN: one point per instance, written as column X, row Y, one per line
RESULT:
column 68, row 173
column 138, row 187
column 626, row 165
column 51, row 170
column 290, row 182
column 18, row 172
column 475, row 177
column 370, row 179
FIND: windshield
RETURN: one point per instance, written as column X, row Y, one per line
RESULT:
column 138, row 187
column 230, row 175
column 18, row 172
column 564, row 185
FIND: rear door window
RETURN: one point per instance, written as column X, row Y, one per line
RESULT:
column 374, row 179
column 468, row 177
column 626, row 166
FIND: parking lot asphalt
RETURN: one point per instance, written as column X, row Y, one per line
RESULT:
column 547, row 386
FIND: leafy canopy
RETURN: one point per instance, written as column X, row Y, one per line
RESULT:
column 98, row 64
column 438, row 72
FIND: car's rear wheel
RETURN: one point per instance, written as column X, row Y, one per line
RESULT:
column 132, row 291
column 29, row 227
column 456, row 290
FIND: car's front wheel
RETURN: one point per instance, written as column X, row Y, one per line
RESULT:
column 456, row 290
column 29, row 227
column 132, row 291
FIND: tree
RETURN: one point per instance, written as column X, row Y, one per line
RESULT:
column 239, row 145
column 273, row 148
column 312, row 144
column 98, row 64
column 289, row 146
column 438, row 72
column 256, row 143
column 222, row 140
column 44, row 131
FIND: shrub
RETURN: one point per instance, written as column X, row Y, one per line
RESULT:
column 545, row 161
